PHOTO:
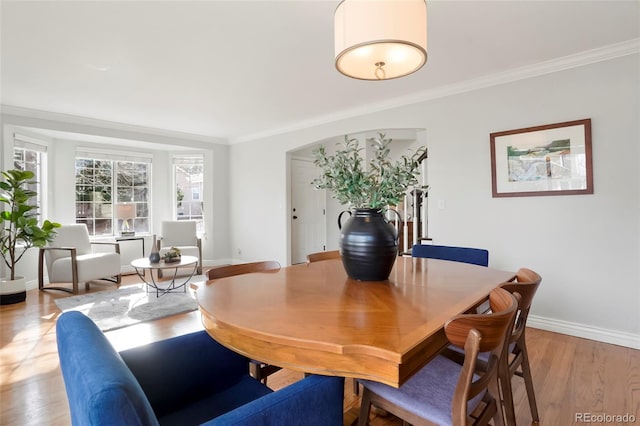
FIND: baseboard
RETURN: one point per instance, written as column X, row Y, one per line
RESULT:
column 217, row 262
column 598, row 334
column 31, row 284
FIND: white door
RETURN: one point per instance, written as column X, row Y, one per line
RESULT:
column 307, row 211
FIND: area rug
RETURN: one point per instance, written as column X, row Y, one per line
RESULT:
column 129, row 305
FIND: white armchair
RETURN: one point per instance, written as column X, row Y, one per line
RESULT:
column 182, row 235
column 70, row 259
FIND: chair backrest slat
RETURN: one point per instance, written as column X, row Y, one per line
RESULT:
column 323, row 255
column 526, row 285
column 242, row 268
column 474, row 256
column 503, row 305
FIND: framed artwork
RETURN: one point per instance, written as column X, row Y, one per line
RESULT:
column 554, row 159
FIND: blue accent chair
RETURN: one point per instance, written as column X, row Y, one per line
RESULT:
column 185, row 380
column 474, row 256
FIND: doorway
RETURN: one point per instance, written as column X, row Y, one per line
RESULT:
column 307, row 211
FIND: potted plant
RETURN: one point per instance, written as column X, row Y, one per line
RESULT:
column 19, row 230
column 172, row 255
column 368, row 243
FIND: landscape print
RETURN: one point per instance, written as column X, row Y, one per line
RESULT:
column 550, row 161
column 553, row 159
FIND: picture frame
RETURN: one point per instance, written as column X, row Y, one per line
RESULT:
column 553, row 159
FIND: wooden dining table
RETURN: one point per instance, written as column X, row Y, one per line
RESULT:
column 314, row 318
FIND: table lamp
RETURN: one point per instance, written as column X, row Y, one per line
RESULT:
column 125, row 212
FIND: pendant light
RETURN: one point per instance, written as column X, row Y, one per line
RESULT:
column 380, row 39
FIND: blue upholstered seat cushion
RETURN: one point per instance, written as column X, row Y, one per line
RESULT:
column 314, row 401
column 191, row 378
column 213, row 405
column 428, row 393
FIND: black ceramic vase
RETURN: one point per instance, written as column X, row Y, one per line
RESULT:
column 368, row 245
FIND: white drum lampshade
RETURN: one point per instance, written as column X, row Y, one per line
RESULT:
column 125, row 212
column 380, row 39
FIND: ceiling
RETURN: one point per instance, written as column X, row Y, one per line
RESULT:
column 239, row 70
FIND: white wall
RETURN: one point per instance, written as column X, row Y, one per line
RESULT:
column 587, row 247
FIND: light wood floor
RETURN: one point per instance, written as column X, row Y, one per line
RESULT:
column 571, row 375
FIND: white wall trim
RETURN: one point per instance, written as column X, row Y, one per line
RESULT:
column 585, row 331
column 587, row 57
column 93, row 122
column 33, row 284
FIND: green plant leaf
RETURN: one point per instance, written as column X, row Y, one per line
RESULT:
column 19, row 219
column 382, row 184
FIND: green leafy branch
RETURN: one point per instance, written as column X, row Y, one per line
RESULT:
column 383, row 184
column 19, row 228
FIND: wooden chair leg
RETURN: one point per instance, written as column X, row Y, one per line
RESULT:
column 365, row 408
column 254, row 371
column 74, row 272
column 507, row 396
column 528, row 383
column 494, row 391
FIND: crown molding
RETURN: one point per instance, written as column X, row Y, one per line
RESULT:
column 626, row 48
column 606, row 53
column 103, row 124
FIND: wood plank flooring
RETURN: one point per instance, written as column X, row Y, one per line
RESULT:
column 571, row 375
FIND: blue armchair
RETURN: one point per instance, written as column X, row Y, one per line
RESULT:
column 185, row 380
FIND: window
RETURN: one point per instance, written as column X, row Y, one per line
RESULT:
column 188, row 175
column 31, row 154
column 102, row 183
column 195, row 194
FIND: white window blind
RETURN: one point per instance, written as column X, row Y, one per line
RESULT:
column 28, row 142
column 104, row 154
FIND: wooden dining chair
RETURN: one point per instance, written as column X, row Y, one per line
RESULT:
column 241, row 268
column 517, row 363
column 471, row 255
column 525, row 285
column 445, row 392
column 259, row 370
column 323, row 255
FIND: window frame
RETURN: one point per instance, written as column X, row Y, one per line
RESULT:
column 115, row 190
column 189, row 159
column 39, row 148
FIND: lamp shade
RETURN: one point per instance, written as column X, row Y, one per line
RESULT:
column 125, row 211
column 380, row 39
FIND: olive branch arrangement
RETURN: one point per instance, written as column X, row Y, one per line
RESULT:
column 382, row 184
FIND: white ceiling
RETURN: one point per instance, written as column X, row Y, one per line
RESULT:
column 242, row 69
